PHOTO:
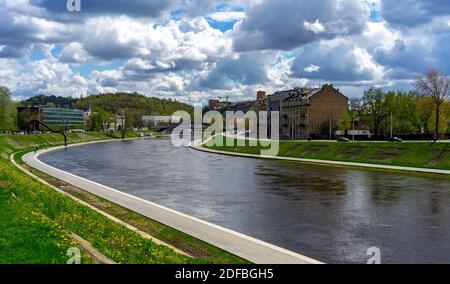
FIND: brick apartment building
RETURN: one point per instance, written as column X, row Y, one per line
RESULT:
column 309, row 112
column 303, row 112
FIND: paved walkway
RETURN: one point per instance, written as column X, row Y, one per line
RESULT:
column 324, row 162
column 246, row 247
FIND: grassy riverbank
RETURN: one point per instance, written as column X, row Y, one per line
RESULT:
column 415, row 154
column 36, row 222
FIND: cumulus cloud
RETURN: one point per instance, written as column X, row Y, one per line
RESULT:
column 140, row 8
column 47, row 76
column 18, row 32
column 174, row 48
column 74, row 53
column 227, row 16
column 338, row 61
column 315, row 27
column 312, row 68
column 413, row 12
column 248, row 68
column 287, row 24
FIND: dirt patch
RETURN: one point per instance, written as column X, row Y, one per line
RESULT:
column 5, row 185
column 352, row 152
column 313, row 150
column 386, row 155
column 293, row 148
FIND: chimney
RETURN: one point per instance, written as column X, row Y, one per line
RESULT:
column 260, row 96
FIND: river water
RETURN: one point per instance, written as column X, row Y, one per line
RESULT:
column 333, row 214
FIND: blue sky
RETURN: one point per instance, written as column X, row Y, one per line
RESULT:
column 195, row 50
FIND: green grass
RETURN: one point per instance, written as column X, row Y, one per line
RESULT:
column 398, row 154
column 36, row 221
column 21, row 234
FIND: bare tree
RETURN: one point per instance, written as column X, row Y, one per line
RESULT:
column 437, row 86
column 356, row 107
column 375, row 105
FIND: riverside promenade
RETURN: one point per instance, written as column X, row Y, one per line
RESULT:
column 246, row 247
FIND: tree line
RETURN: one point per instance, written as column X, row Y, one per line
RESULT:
column 8, row 113
column 110, row 109
column 426, row 110
column 106, row 109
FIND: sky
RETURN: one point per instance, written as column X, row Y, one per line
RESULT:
column 193, row 51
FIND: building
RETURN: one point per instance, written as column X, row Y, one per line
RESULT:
column 56, row 117
column 245, row 106
column 274, row 104
column 214, row 104
column 260, row 96
column 156, row 122
column 217, row 104
column 309, row 112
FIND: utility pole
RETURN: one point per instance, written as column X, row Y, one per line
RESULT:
column 330, row 127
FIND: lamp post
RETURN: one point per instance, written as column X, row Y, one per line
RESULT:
column 353, row 125
column 391, row 127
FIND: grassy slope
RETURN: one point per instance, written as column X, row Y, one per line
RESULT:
column 399, row 154
column 35, row 220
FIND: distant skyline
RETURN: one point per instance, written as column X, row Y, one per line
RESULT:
column 195, row 50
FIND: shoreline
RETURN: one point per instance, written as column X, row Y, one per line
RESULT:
column 200, row 147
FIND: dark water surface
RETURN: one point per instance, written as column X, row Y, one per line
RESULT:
column 329, row 213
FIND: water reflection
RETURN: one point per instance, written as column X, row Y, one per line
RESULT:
column 330, row 213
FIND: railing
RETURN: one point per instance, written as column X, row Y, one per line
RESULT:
column 34, row 122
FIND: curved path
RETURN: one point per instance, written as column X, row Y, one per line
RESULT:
column 246, row 247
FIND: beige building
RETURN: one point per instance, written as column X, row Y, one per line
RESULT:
column 312, row 113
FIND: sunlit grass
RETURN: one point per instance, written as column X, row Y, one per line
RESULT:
column 398, row 154
column 36, row 221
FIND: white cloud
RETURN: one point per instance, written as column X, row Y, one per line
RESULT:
column 312, row 68
column 288, row 24
column 227, row 16
column 74, row 53
column 315, row 27
column 274, row 45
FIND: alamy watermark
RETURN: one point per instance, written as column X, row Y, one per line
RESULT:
column 73, row 5
column 232, row 129
column 74, row 255
column 375, row 255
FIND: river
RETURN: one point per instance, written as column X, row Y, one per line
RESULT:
column 333, row 214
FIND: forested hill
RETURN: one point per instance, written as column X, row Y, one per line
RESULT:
column 53, row 101
column 113, row 103
column 117, row 102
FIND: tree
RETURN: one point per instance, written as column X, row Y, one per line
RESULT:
column 355, row 111
column 8, row 113
column 115, row 103
column 437, row 86
column 127, row 122
column 101, row 120
column 404, row 107
column 374, row 102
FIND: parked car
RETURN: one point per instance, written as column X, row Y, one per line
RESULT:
column 394, row 139
column 343, row 139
